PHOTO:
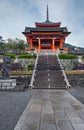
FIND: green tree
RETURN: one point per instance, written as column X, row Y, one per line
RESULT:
column 21, row 45
column 16, row 44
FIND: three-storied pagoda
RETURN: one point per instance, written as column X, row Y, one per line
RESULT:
column 46, row 35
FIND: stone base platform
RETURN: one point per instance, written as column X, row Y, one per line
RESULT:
column 7, row 84
column 52, row 110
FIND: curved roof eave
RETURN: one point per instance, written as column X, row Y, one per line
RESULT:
column 47, row 22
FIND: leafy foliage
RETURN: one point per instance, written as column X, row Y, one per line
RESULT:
column 83, row 56
column 67, row 56
column 11, row 55
column 30, row 67
column 26, row 56
column 11, row 44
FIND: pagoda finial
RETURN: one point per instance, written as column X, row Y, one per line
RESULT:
column 47, row 14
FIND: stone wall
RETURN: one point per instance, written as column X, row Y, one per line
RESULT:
column 68, row 64
column 76, row 80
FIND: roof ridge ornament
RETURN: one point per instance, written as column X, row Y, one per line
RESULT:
column 47, row 19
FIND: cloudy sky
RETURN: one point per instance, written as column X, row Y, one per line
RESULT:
column 15, row 15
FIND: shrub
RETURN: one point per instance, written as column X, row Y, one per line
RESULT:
column 33, row 55
column 27, row 56
column 83, row 56
column 67, row 56
column 11, row 55
column 30, row 67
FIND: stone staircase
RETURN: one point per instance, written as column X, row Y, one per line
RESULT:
column 48, row 73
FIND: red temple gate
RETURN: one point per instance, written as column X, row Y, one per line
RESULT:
column 46, row 35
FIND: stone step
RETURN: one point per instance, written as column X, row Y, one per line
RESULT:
column 48, row 73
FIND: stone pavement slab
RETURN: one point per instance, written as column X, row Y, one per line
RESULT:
column 12, row 105
column 52, row 110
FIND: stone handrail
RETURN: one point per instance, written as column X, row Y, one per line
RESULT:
column 66, row 79
column 33, row 74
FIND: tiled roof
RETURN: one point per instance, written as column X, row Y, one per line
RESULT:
column 47, row 22
column 46, row 29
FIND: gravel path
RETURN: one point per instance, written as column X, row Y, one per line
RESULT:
column 12, row 105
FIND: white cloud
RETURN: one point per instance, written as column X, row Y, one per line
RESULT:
column 15, row 15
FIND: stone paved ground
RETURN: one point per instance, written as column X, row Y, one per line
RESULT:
column 12, row 105
column 78, row 93
column 52, row 110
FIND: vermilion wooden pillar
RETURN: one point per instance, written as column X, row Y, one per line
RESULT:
column 61, row 43
column 53, row 44
column 39, row 44
column 30, row 40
